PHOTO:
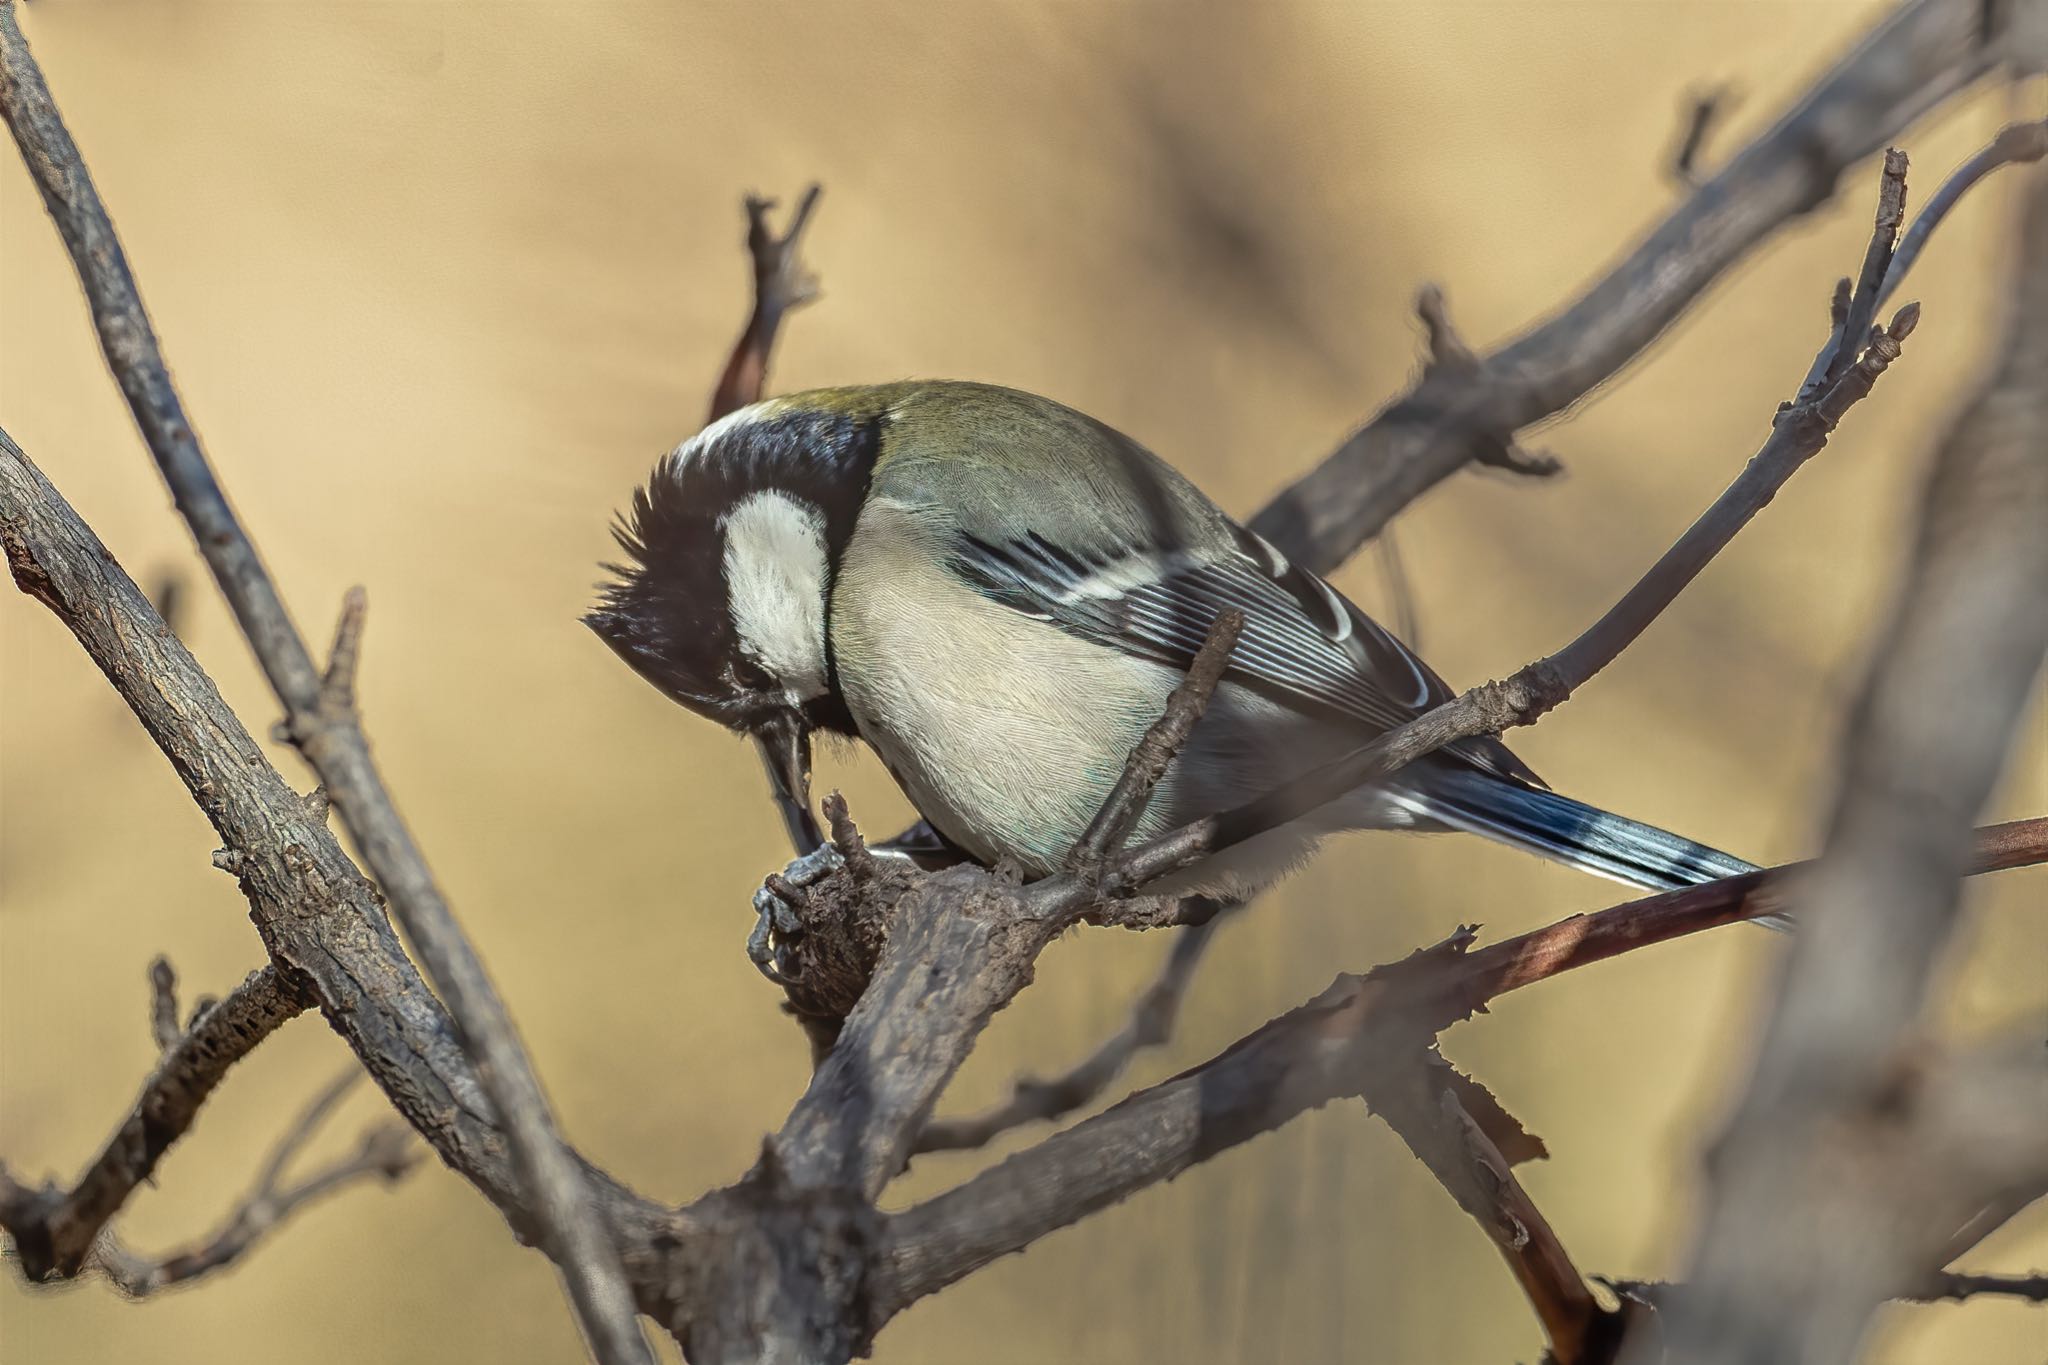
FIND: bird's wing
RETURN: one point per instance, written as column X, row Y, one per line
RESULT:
column 1304, row 645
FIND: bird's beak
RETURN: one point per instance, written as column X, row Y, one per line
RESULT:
column 785, row 743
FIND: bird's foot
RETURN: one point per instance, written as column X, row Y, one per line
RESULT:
column 778, row 925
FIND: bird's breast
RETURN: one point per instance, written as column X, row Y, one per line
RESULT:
column 1005, row 732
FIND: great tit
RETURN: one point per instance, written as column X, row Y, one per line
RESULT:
column 996, row 593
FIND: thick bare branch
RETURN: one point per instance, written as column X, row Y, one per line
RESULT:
column 53, row 1229
column 1326, row 1049
column 319, row 918
column 1824, row 1199
column 1923, row 53
column 550, row 1180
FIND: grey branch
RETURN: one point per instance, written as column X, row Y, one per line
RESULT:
column 781, row 282
column 1034, row 1100
column 1802, row 431
column 1848, row 1161
column 386, row 1151
column 53, row 1230
column 1922, row 54
column 318, row 716
column 319, row 917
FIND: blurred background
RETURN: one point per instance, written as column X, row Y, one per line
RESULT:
column 441, row 281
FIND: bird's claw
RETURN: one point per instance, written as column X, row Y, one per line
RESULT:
column 778, row 928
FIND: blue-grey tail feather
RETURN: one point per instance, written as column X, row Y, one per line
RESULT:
column 1576, row 834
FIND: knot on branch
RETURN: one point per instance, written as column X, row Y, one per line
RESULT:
column 1455, row 367
column 1522, row 697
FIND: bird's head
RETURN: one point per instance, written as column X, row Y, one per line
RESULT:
column 731, row 548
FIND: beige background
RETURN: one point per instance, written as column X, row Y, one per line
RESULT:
column 441, row 280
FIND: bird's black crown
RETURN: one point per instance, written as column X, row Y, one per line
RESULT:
column 665, row 610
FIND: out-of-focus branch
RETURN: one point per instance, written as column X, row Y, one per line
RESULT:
column 1826, row 1197
column 1430, row 1106
column 319, row 716
column 781, row 282
column 1923, row 53
column 387, row 1151
column 53, row 1229
column 1958, row 1285
column 1703, row 110
column 1034, row 1100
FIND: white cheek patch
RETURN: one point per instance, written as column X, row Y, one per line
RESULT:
column 775, row 585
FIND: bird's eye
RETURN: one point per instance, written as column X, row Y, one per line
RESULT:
column 750, row 675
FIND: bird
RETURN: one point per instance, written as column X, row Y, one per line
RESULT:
column 996, row 593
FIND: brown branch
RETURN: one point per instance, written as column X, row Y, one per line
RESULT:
column 1357, row 1034
column 386, row 1151
column 1125, row 805
column 1922, row 54
column 781, row 282
column 1826, row 1195
column 551, row 1182
column 1034, row 1100
column 54, row 1229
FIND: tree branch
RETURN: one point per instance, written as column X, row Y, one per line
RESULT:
column 325, row 731
column 1923, row 53
column 1824, row 1200
column 1151, row 1024
column 53, row 1229
column 319, row 918
column 1357, row 1037
column 1802, row 430
column 386, row 1151
column 781, row 282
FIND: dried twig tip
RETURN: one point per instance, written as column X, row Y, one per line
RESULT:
column 163, row 1003
column 338, row 686
column 846, row 837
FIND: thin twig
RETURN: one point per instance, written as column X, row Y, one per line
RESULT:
column 1802, row 431
column 331, row 740
column 1125, row 805
column 386, row 1151
column 1151, row 1024
column 781, row 282
column 53, row 1229
column 1877, row 263
column 1703, row 109
column 2016, row 144
column 164, row 1028
column 1959, row 1285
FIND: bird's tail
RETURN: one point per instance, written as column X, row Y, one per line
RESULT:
column 1576, row 834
